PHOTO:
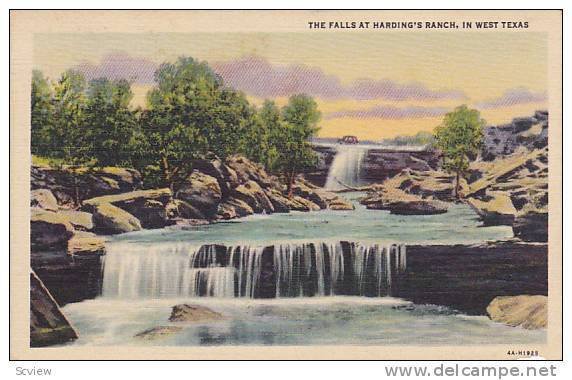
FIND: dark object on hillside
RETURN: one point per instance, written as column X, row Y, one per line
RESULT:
column 348, row 140
column 48, row 326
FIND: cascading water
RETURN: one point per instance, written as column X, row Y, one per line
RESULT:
column 132, row 271
column 346, row 167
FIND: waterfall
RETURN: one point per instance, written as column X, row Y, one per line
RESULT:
column 346, row 167
column 289, row 269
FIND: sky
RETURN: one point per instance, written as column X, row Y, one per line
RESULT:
column 370, row 85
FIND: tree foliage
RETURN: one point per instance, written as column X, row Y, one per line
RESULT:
column 459, row 138
column 190, row 114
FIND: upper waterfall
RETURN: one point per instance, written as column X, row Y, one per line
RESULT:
column 346, row 167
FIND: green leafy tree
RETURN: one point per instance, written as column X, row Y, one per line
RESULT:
column 459, row 138
column 42, row 114
column 109, row 121
column 301, row 117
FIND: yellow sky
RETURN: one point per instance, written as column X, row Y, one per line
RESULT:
column 482, row 65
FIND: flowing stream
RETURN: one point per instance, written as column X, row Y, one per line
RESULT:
column 312, row 278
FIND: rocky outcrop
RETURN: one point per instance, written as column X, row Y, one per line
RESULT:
column 48, row 325
column 129, row 212
column 193, row 313
column 233, row 208
column 86, row 243
column 44, row 199
column 253, row 195
column 412, row 193
column 69, row 184
column 49, row 230
column 504, row 140
column 203, row 192
column 526, row 311
column 513, row 190
column 495, row 209
column 399, row 202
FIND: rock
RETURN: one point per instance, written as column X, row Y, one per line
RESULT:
column 193, row 313
column 158, row 332
column 251, row 193
column 203, row 192
column 110, row 219
column 315, row 196
column 279, row 201
column 43, row 198
column 301, row 204
column 148, row 206
column 84, row 183
column 233, row 208
column 49, row 230
column 181, row 209
column 86, row 243
column 496, row 210
column 48, row 325
column 247, row 170
column 531, row 226
column 529, row 312
column 340, row 204
column 401, row 203
column 225, row 176
column 80, row 220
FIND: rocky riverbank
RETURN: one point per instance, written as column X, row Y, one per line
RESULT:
column 507, row 184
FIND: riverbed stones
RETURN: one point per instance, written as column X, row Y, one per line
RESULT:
column 526, row 311
column 193, row 313
column 401, row 203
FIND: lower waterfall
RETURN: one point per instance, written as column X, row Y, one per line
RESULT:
column 346, row 167
column 179, row 269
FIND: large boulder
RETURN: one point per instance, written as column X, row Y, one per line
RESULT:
column 48, row 325
column 314, row 195
column 280, row 202
column 251, row 193
column 85, row 243
column 43, row 198
column 224, row 175
column 49, row 230
column 110, row 219
column 178, row 209
column 497, row 209
column 80, row 220
column 233, row 208
column 148, row 206
column 529, row 312
column 202, row 191
column 193, row 313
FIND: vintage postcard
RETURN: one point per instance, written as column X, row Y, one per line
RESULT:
column 286, row 184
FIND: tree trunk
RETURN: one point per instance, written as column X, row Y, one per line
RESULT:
column 290, row 180
column 457, row 184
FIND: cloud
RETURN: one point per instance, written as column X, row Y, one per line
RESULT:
column 511, row 97
column 389, row 112
column 257, row 77
column 119, row 65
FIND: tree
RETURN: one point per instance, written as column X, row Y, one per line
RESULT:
column 301, row 118
column 459, row 138
column 42, row 113
column 109, row 120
